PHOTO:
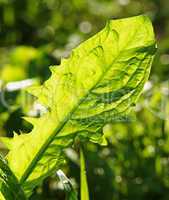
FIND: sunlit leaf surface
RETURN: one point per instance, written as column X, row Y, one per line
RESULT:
column 99, row 83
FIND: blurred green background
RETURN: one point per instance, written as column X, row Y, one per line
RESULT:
column 35, row 34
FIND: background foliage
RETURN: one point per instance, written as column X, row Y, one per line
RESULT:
column 36, row 34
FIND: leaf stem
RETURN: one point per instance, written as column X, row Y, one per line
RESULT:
column 84, row 192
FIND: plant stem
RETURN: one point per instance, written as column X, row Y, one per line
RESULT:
column 84, row 192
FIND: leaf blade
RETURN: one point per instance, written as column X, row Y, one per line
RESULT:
column 100, row 81
column 10, row 187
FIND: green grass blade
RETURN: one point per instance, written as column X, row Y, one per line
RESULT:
column 84, row 185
